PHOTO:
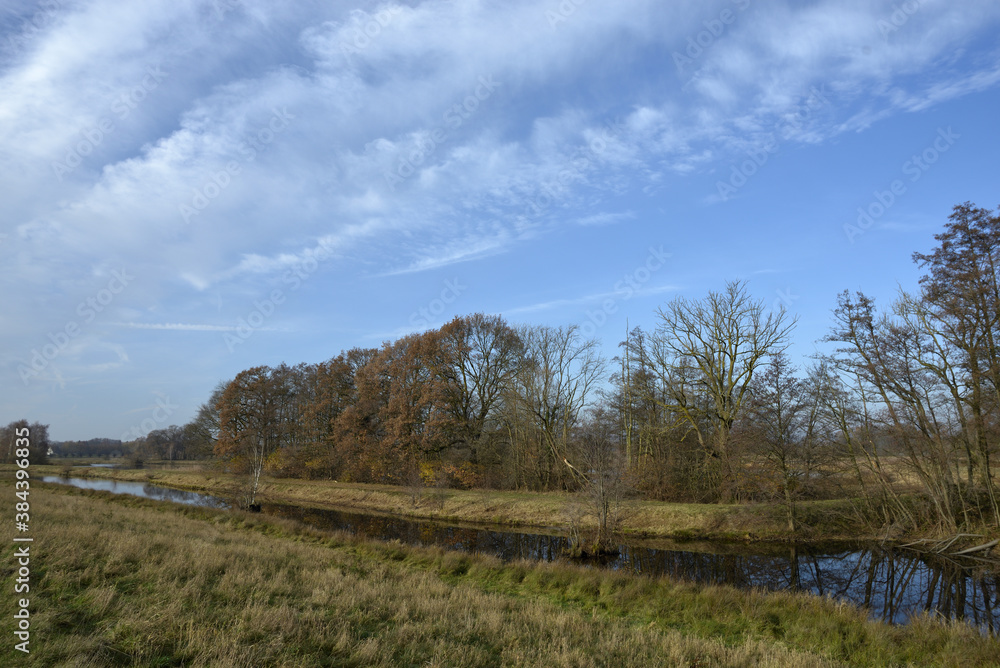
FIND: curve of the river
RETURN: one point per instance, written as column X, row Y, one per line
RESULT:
column 893, row 584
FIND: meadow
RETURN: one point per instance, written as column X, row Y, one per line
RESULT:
column 121, row 581
column 820, row 520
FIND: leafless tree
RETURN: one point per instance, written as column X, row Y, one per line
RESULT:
column 599, row 465
column 548, row 394
column 480, row 357
column 778, row 426
column 706, row 353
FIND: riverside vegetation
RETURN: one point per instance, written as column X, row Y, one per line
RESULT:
column 822, row 520
column 127, row 581
column 702, row 427
column 898, row 422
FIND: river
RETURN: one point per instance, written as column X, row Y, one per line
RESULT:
column 891, row 583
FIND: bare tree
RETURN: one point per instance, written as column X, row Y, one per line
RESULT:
column 777, row 425
column 550, row 391
column 932, row 367
column 705, row 353
column 959, row 311
column 859, row 398
column 599, row 466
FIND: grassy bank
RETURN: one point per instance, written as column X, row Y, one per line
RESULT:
column 821, row 520
column 122, row 581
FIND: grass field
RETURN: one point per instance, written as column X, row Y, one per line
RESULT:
column 820, row 520
column 120, row 581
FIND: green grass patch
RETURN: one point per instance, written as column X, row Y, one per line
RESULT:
column 125, row 581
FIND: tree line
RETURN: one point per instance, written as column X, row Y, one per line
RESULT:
column 475, row 402
column 902, row 416
column 38, row 441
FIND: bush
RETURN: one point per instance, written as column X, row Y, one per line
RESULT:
column 132, row 461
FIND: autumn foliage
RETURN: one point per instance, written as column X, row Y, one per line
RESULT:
column 476, row 401
column 901, row 416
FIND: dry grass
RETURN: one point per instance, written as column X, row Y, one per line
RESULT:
column 124, row 585
column 123, row 581
column 823, row 520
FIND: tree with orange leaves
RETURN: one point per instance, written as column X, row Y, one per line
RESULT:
column 254, row 421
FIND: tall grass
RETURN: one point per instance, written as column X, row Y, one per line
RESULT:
column 124, row 581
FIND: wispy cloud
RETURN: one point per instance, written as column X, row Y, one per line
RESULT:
column 606, row 218
column 593, row 298
column 395, row 163
column 449, row 255
column 184, row 327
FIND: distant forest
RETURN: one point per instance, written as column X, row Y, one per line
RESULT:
column 903, row 415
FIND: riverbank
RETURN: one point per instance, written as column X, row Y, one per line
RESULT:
column 819, row 520
column 125, row 581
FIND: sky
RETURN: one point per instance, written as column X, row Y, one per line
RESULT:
column 192, row 188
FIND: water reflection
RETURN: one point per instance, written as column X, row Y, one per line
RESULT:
column 893, row 584
column 143, row 489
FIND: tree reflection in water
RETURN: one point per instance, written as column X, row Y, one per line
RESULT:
column 141, row 489
column 893, row 584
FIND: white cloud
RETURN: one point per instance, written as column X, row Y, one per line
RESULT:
column 527, row 159
column 594, row 298
column 606, row 218
column 177, row 326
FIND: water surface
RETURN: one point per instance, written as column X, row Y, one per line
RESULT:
column 143, row 489
column 893, row 584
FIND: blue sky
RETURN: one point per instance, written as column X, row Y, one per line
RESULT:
column 194, row 188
